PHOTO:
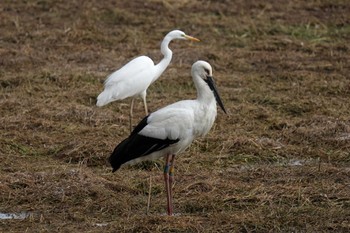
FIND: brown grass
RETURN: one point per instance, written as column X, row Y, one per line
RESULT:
column 279, row 162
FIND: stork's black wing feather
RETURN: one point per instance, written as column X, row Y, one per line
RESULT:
column 136, row 146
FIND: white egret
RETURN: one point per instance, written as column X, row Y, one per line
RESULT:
column 170, row 130
column 135, row 77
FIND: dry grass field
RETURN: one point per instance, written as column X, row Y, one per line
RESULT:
column 278, row 162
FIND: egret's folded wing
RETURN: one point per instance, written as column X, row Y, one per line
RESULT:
column 131, row 79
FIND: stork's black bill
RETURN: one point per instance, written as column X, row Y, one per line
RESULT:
column 211, row 83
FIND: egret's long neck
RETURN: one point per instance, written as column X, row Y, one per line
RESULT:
column 168, row 54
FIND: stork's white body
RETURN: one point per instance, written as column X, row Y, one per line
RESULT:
column 184, row 120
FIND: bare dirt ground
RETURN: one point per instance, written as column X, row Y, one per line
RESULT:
column 278, row 162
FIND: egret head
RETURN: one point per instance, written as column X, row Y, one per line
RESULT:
column 203, row 69
column 177, row 34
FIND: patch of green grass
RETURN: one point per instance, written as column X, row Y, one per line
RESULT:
column 244, row 158
column 313, row 33
column 22, row 149
column 116, row 16
column 296, row 109
column 266, row 100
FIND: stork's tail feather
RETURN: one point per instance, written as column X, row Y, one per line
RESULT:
column 137, row 146
column 117, row 158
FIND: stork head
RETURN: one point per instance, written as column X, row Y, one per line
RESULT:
column 204, row 70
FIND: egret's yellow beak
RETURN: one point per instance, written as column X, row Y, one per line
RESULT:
column 191, row 38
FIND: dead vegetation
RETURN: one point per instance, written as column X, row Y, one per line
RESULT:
column 279, row 162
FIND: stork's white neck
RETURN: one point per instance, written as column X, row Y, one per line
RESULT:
column 204, row 93
column 206, row 106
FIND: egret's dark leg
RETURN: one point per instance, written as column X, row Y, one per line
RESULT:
column 167, row 166
column 131, row 113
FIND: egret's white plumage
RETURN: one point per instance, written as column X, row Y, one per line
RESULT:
column 170, row 130
column 136, row 76
column 128, row 81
